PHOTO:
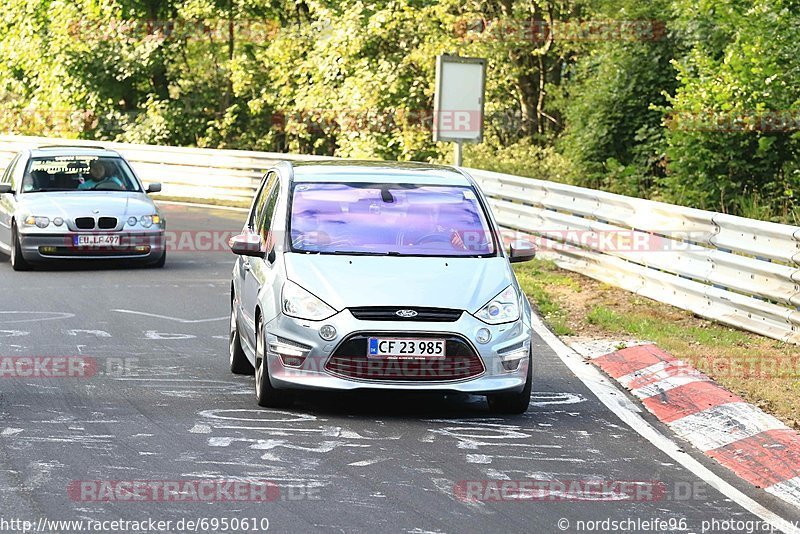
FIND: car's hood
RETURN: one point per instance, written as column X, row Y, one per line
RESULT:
column 349, row 281
column 80, row 203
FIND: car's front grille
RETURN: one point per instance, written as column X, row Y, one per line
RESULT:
column 84, row 223
column 394, row 313
column 350, row 361
column 107, row 223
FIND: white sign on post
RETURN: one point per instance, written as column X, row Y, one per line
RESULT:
column 458, row 104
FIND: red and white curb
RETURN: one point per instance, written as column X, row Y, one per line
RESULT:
column 755, row 445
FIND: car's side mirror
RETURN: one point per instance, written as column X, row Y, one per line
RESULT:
column 154, row 188
column 247, row 244
column 521, row 251
column 5, row 189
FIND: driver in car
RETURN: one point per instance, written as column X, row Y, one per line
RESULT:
column 99, row 175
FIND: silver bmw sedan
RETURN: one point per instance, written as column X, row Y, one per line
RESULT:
column 67, row 202
column 378, row 276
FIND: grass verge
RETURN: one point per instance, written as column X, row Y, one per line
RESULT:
column 763, row 371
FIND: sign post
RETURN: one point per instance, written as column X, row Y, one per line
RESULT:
column 458, row 106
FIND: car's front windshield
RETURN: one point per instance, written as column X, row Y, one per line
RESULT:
column 78, row 173
column 389, row 219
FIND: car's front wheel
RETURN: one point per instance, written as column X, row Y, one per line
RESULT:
column 240, row 365
column 266, row 395
column 18, row 262
column 513, row 403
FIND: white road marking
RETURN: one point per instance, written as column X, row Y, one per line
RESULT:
column 95, row 333
column 548, row 399
column 289, row 417
column 13, row 333
column 10, row 431
column 269, row 444
column 200, row 429
column 722, row 425
column 152, row 334
column 176, row 319
column 479, row 432
column 365, row 463
column 788, row 490
column 594, row 348
column 55, row 316
column 616, row 401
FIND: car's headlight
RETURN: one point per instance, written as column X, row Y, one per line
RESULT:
column 149, row 220
column 504, row 308
column 299, row 303
column 40, row 222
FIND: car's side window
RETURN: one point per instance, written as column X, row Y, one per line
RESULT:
column 258, row 208
column 16, row 173
column 6, row 179
column 265, row 221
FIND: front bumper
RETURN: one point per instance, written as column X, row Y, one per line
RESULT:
column 509, row 342
column 41, row 247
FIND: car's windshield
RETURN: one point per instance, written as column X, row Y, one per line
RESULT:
column 389, row 219
column 78, row 173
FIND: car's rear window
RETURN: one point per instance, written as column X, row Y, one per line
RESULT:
column 78, row 173
column 389, row 219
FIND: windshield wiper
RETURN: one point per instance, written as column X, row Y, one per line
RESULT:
column 357, row 253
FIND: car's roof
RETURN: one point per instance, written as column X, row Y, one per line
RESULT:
column 377, row 172
column 66, row 150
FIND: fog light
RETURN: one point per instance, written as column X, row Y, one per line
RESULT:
column 291, row 354
column 58, row 221
column 327, row 332
column 292, row 361
column 48, row 250
column 142, row 248
column 511, row 359
column 483, row 336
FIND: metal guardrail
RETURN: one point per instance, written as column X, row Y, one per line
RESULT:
column 197, row 173
column 740, row 272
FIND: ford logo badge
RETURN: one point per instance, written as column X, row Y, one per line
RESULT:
column 406, row 314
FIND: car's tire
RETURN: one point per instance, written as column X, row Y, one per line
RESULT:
column 266, row 395
column 240, row 365
column 513, row 403
column 160, row 262
column 18, row 262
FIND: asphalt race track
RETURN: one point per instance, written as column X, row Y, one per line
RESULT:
column 162, row 405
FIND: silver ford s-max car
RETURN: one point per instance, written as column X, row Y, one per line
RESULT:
column 70, row 202
column 367, row 275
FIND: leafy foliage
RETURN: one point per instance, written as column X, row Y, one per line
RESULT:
column 633, row 114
